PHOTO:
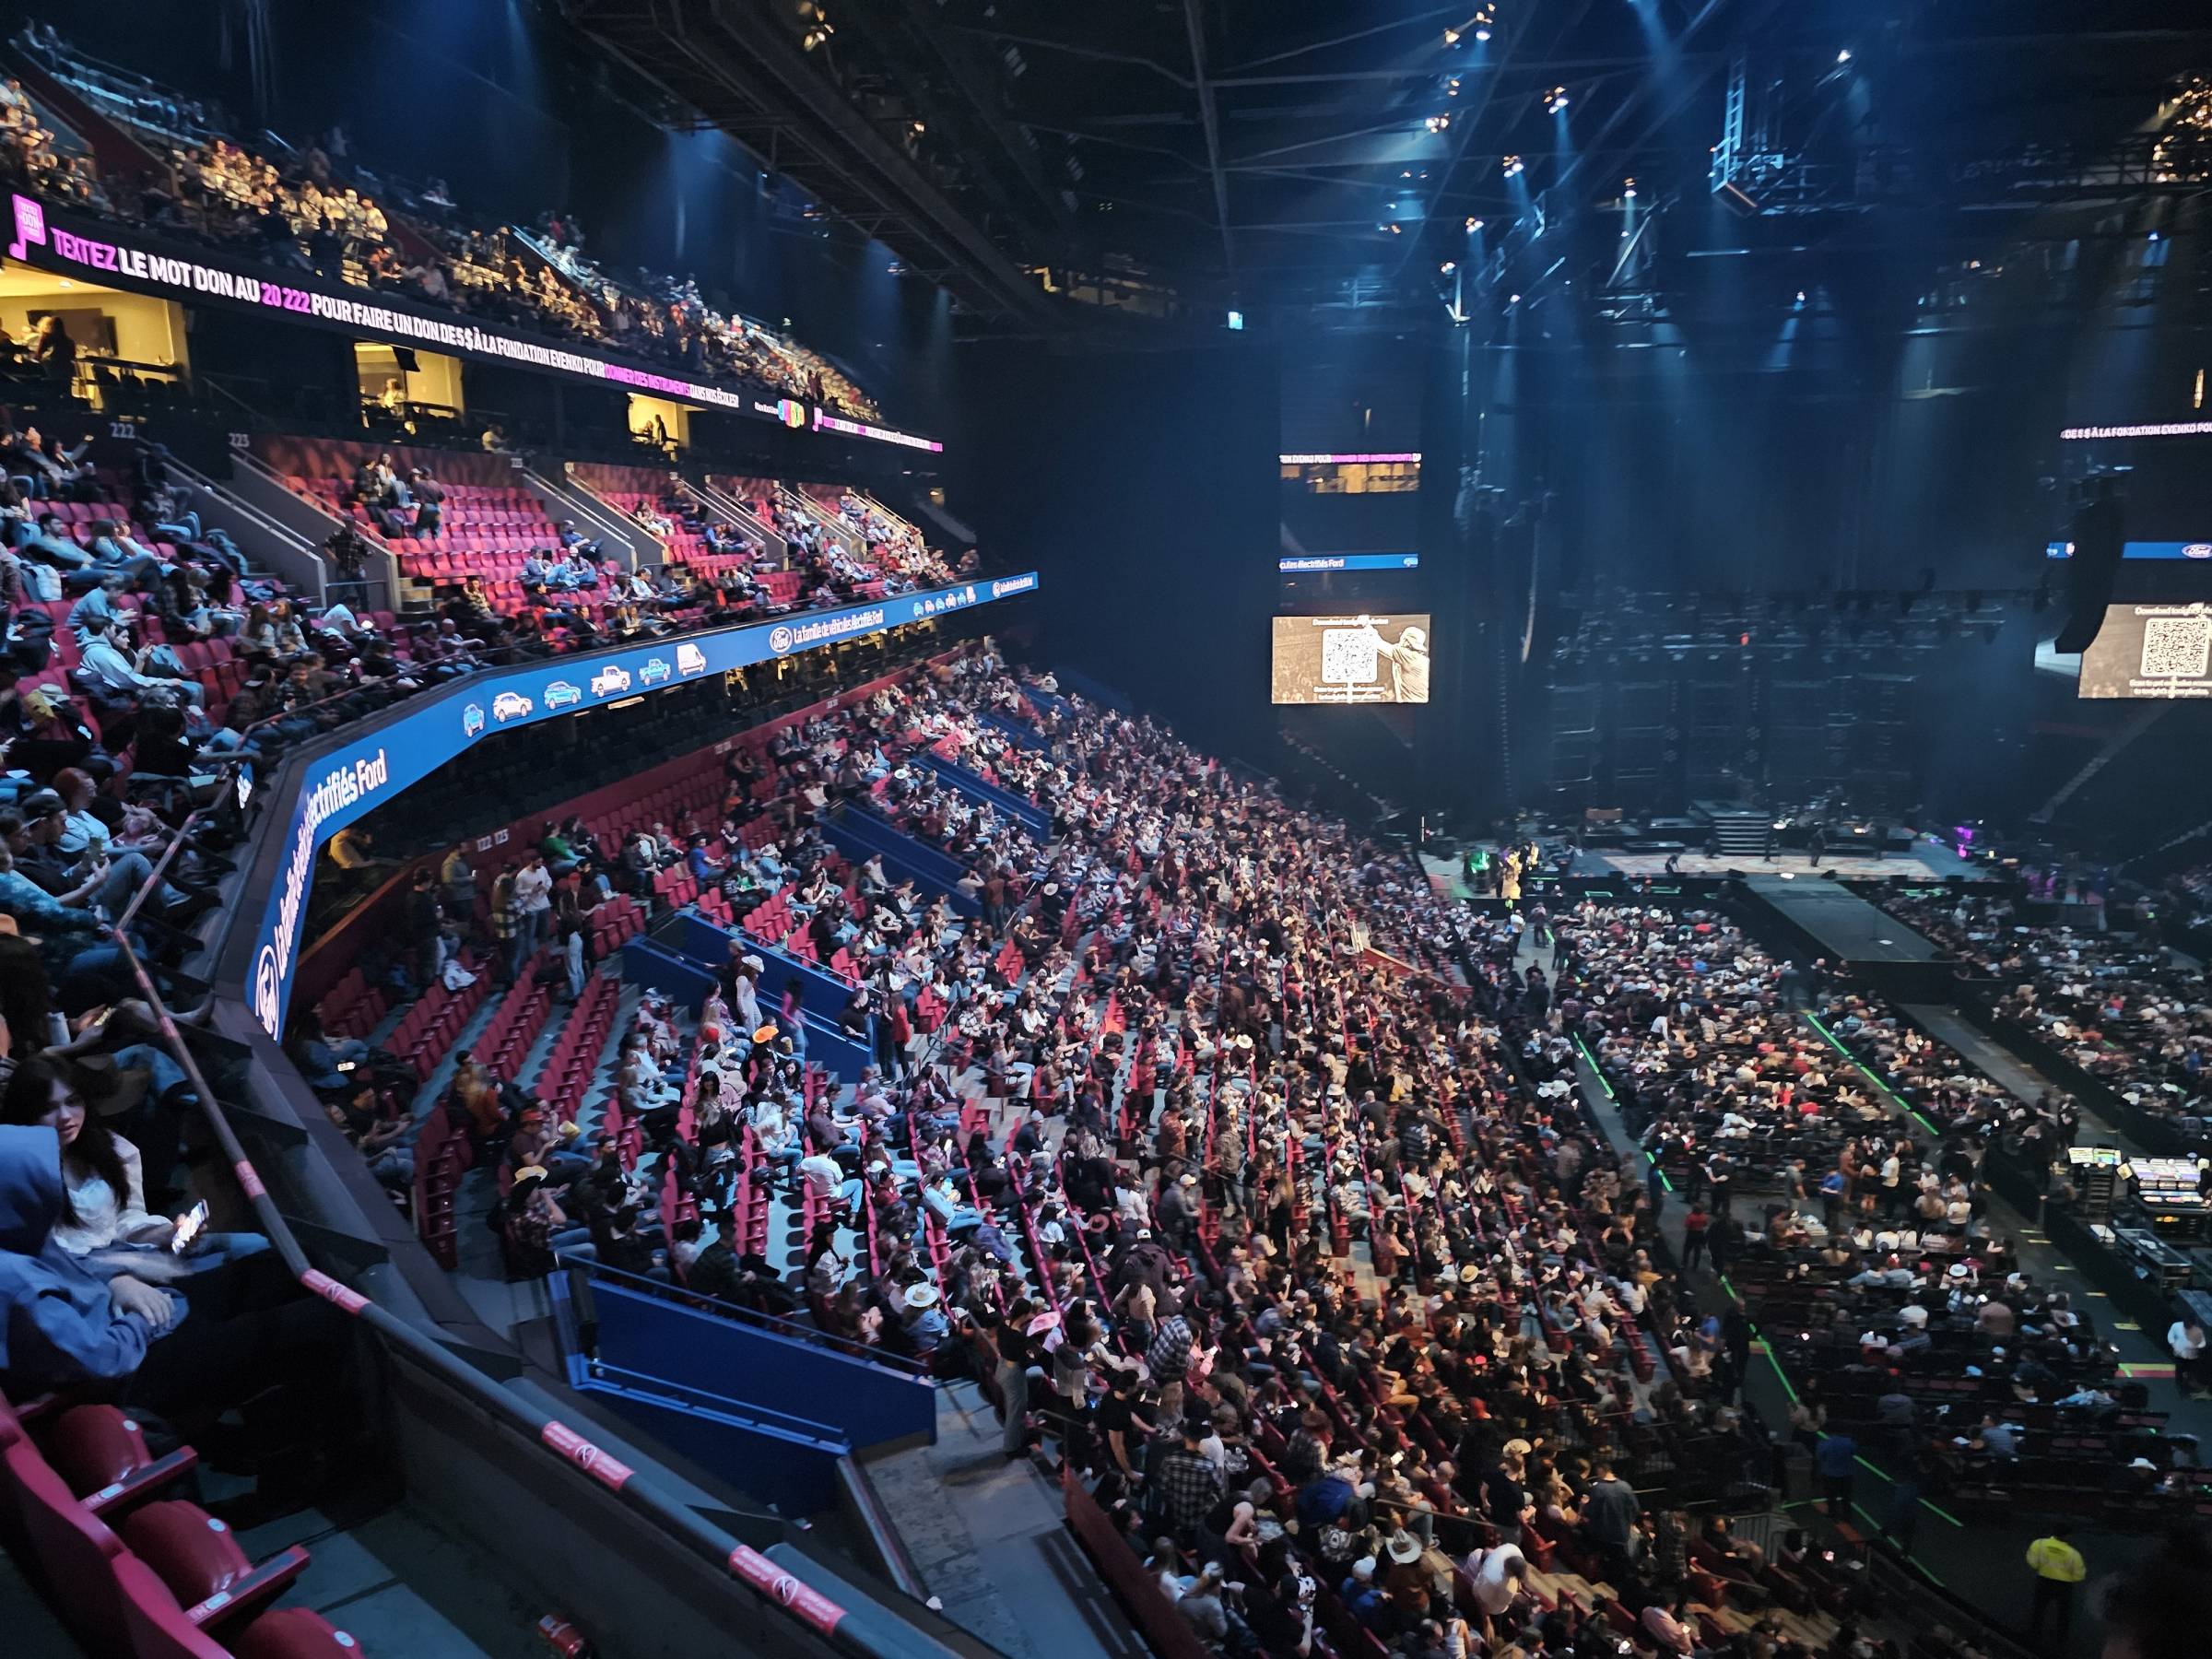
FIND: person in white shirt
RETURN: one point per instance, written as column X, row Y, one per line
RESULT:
column 533, row 901
column 2185, row 1342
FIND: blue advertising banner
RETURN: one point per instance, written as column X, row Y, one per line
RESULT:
column 1300, row 564
column 2150, row 549
column 357, row 778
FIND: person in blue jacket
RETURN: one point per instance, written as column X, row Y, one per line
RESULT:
column 63, row 1321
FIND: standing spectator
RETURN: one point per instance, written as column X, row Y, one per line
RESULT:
column 1837, row 1459
column 2058, row 1569
column 2185, row 1341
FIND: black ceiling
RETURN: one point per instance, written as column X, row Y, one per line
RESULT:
column 1288, row 158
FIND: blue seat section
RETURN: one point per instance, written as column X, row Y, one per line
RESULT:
column 651, row 967
column 1021, row 735
column 784, row 1375
column 770, row 1404
column 857, row 834
column 976, row 787
column 1091, row 689
column 685, row 955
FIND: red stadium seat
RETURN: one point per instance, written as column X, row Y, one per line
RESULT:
column 102, row 1457
column 74, row 1547
column 200, row 1560
column 292, row 1633
column 158, row 1628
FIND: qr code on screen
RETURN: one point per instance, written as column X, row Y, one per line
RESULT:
column 1347, row 656
column 2177, row 647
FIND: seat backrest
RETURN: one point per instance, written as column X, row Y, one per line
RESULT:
column 158, row 1628
column 76, row 1550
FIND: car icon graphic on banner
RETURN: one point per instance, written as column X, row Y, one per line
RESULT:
column 691, row 659
column 560, row 695
column 609, row 680
column 656, row 669
column 472, row 721
column 510, row 705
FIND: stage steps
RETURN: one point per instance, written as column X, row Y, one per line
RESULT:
column 1740, row 831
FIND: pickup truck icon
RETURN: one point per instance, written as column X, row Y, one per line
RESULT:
column 656, row 669
column 609, row 680
column 510, row 705
column 561, row 695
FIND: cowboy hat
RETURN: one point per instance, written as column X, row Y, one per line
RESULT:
column 1404, row 1546
column 921, row 1296
column 766, row 1033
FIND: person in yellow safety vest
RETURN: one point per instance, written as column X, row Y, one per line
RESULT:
column 2057, row 1566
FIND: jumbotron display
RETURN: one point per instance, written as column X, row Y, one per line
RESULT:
column 2150, row 650
column 1359, row 659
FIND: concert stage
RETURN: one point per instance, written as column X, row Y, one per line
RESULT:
column 1818, row 918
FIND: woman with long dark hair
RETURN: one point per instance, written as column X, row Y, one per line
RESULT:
column 104, row 1191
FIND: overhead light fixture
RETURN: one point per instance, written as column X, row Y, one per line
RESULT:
column 1447, row 267
column 1843, row 57
column 1451, row 37
column 1555, row 100
column 1437, row 123
column 1514, row 300
column 1473, row 225
column 1511, row 168
column 1628, row 190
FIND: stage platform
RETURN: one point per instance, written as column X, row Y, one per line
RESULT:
column 1928, row 861
column 1821, row 918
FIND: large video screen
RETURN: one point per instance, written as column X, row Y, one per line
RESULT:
column 1361, row 659
column 2150, row 650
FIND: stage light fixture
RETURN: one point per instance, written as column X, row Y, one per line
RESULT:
column 1473, row 225
column 1451, row 37
column 1555, row 100
column 1510, row 165
column 1843, row 57
column 1513, row 299
column 1437, row 123
column 1628, row 190
column 1447, row 267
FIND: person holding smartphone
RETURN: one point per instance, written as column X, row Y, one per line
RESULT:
column 104, row 1216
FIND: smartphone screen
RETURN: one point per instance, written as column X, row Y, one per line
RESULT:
column 189, row 1226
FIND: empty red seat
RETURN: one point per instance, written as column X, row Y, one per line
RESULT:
column 74, row 1547
column 103, row 1458
column 200, row 1561
column 157, row 1626
column 292, row 1633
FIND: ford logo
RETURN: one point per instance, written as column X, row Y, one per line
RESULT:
column 2197, row 550
column 778, row 640
column 265, row 990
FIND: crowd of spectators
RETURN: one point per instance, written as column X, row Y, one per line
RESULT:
column 1906, row 1320
column 1140, row 1091
column 316, row 208
column 2118, row 1005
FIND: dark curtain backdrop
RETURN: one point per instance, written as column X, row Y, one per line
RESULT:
column 1142, row 486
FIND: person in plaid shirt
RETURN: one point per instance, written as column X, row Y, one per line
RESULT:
column 506, row 926
column 1189, row 1482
